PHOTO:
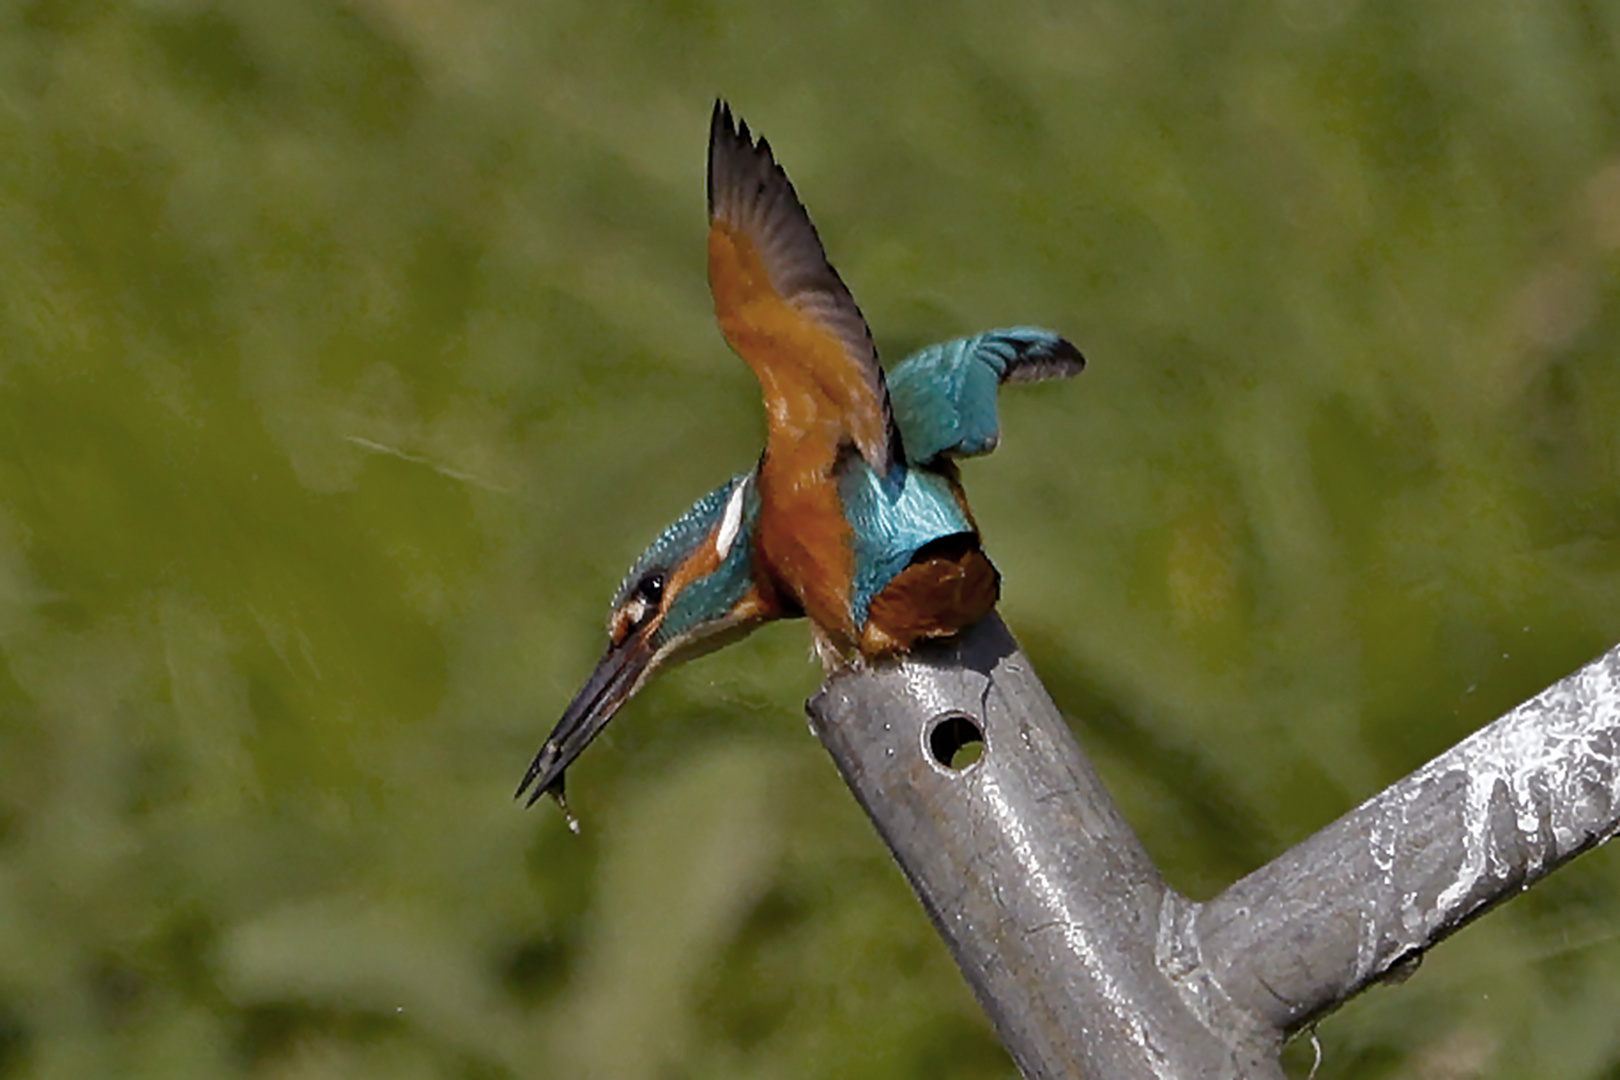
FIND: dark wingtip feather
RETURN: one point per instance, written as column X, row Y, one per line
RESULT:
column 733, row 154
column 719, row 122
column 722, row 132
column 1045, row 357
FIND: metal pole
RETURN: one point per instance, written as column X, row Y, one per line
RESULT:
column 1088, row 965
column 1363, row 898
column 1045, row 897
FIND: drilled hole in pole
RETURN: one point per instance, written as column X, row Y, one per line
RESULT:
column 955, row 741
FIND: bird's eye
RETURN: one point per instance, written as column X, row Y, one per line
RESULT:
column 639, row 607
column 651, row 588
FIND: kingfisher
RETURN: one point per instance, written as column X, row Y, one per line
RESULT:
column 854, row 515
column 871, row 537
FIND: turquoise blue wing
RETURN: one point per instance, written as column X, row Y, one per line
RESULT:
column 944, row 397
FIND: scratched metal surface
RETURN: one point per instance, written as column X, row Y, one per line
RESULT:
column 1476, row 825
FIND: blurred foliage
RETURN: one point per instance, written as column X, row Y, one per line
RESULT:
column 349, row 351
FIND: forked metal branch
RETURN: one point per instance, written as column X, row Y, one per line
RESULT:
column 1088, row 965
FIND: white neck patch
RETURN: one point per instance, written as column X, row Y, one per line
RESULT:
column 731, row 520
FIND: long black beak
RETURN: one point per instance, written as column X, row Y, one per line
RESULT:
column 610, row 686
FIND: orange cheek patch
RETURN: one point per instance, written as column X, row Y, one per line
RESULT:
column 704, row 561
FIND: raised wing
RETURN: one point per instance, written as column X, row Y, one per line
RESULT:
column 782, row 306
column 945, row 396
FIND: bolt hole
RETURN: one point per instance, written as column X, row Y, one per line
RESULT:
column 956, row 741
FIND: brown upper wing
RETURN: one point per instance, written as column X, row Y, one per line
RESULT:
column 782, row 306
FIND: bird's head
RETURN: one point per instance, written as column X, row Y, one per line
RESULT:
column 692, row 591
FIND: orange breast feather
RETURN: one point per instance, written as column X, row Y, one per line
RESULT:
column 802, row 532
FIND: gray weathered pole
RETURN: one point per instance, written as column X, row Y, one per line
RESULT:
column 1477, row 825
column 1088, row 965
column 1045, row 897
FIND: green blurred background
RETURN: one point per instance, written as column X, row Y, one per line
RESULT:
column 350, row 351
